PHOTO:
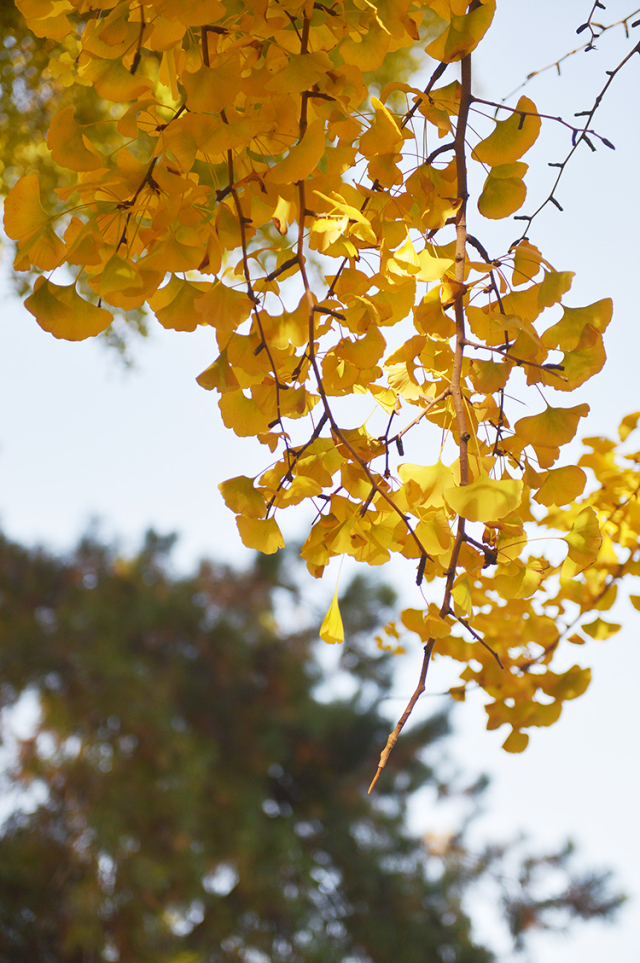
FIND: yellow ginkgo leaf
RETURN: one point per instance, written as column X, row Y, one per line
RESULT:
column 262, row 534
column 567, row 332
column 628, row 424
column 551, row 428
column 601, row 630
column 566, row 685
column 511, row 138
column 561, row 486
column 224, row 308
column 241, row 497
column 486, row 499
column 69, row 145
column 463, row 33
column 516, row 741
column 332, row 629
column 60, row 310
column 174, row 304
column 301, row 159
column 301, row 72
column 584, row 541
column 504, row 191
column 23, row 212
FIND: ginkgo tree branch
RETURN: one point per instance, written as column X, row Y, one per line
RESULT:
column 624, row 22
column 393, row 737
column 577, row 138
column 277, row 133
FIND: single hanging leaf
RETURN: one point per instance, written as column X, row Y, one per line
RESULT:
column 504, row 191
column 332, row 629
column 511, row 138
column 584, row 541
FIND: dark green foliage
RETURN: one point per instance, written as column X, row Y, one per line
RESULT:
column 201, row 804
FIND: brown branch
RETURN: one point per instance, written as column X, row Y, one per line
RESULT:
column 552, row 369
column 572, row 53
column 576, row 141
column 478, row 637
column 425, row 411
column 393, row 738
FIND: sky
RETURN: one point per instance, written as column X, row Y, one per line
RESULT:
column 81, row 439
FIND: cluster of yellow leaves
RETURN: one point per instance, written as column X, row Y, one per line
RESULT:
column 257, row 188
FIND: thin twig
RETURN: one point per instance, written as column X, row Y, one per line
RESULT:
column 393, row 738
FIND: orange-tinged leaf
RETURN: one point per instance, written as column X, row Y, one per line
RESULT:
column 516, row 741
column 69, row 146
column 561, row 486
column 486, row 499
column 302, row 158
column 23, row 212
column 119, row 275
column 504, row 191
column 584, row 541
column 511, row 138
column 628, row 424
column 262, row 534
column 242, row 414
column 332, row 629
column 112, row 80
column 60, row 310
column 241, row 497
column 174, row 304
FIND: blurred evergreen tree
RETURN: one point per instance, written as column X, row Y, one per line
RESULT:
column 200, row 805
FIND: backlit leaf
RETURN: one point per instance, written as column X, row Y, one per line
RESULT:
column 584, row 541
column 241, row 497
column 486, row 499
column 262, row 534
column 60, row 310
column 332, row 629
column 511, row 138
